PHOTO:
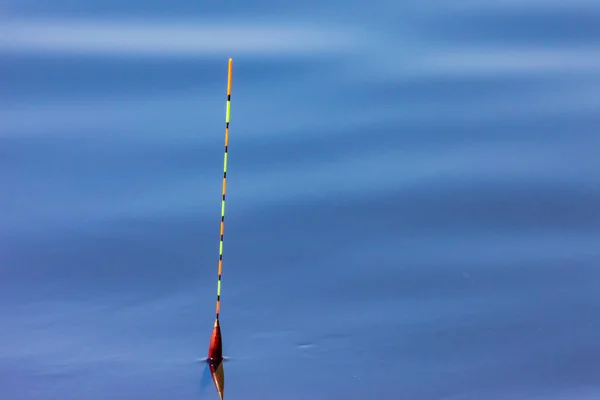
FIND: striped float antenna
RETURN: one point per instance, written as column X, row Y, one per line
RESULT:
column 227, row 115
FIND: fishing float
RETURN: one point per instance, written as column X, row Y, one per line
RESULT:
column 215, row 348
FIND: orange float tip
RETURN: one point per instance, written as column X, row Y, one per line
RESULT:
column 215, row 349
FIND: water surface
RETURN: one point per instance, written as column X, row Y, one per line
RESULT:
column 413, row 199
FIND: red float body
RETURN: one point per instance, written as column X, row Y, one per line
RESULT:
column 215, row 349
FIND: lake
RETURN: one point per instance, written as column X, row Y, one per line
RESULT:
column 413, row 199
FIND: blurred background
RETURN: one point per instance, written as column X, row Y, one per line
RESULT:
column 413, row 198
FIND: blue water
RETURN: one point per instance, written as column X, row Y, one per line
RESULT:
column 413, row 205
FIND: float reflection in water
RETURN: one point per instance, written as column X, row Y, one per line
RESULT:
column 217, row 372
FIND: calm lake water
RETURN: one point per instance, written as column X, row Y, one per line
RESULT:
column 413, row 199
